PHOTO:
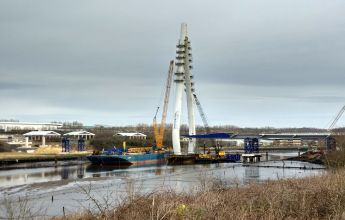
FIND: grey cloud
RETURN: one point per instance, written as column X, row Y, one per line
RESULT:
column 325, row 99
column 111, row 57
column 17, row 86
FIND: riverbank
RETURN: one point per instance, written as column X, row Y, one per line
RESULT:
column 332, row 160
column 310, row 157
column 319, row 197
column 271, row 148
column 64, row 183
column 9, row 158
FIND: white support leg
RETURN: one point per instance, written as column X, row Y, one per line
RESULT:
column 43, row 141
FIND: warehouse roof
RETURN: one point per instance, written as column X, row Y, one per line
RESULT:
column 42, row 133
column 76, row 133
column 129, row 134
column 213, row 135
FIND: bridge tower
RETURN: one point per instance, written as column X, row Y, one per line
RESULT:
column 183, row 81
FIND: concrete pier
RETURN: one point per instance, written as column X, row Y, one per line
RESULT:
column 251, row 158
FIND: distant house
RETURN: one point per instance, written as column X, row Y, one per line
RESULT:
column 80, row 134
column 134, row 135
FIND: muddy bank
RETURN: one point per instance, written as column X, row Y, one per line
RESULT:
column 310, row 157
column 13, row 160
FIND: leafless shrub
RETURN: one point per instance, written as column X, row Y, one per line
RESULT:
column 321, row 197
column 99, row 204
column 20, row 208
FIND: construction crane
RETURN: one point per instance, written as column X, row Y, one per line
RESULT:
column 336, row 119
column 202, row 114
column 204, row 120
column 158, row 130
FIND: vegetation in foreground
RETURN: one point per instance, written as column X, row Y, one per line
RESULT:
column 320, row 197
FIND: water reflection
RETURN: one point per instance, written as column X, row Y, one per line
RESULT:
column 96, row 175
column 158, row 171
column 96, row 168
column 64, row 173
column 10, row 178
column 251, row 174
column 80, row 171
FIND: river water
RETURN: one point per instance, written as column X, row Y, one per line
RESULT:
column 55, row 190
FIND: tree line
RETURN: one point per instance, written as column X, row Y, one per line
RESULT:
column 105, row 137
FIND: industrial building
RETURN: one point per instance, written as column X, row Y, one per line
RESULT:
column 39, row 136
column 130, row 135
column 80, row 134
column 9, row 126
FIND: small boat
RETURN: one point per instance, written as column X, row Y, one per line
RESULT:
column 122, row 159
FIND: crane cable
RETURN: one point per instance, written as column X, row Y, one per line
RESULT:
column 336, row 118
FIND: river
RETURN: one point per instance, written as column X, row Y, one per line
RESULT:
column 54, row 190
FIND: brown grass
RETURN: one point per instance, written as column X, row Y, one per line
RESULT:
column 48, row 150
column 336, row 159
column 19, row 155
column 321, row 197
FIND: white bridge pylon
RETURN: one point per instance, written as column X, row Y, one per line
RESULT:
column 183, row 81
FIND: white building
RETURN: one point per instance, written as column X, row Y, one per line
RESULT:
column 8, row 126
column 135, row 135
column 80, row 134
column 238, row 142
column 39, row 135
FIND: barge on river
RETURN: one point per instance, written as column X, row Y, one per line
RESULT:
column 120, row 159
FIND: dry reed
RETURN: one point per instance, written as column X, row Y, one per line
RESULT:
column 320, row 197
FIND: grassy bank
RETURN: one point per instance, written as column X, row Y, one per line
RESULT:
column 321, row 197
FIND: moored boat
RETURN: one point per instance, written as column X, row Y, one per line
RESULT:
column 120, row 159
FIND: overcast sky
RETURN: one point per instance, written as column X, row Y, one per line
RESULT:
column 256, row 63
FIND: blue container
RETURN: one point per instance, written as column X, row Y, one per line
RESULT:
column 65, row 145
column 233, row 157
column 251, row 145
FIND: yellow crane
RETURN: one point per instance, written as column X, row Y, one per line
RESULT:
column 158, row 130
